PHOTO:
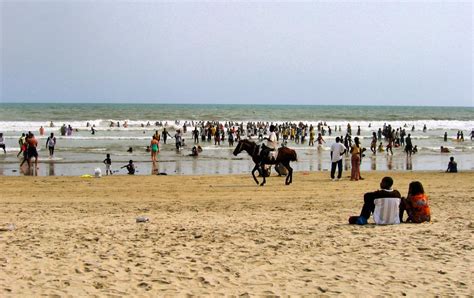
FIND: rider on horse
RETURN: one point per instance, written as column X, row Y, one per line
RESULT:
column 271, row 144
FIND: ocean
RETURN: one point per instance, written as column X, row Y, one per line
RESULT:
column 82, row 152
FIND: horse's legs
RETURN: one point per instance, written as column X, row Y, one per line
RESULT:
column 253, row 173
column 289, row 177
column 262, row 168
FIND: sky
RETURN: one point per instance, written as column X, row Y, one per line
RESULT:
column 312, row 52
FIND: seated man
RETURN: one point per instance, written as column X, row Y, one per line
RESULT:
column 368, row 208
column 452, row 166
column 270, row 146
column 130, row 167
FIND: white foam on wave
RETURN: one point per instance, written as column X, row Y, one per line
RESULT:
column 135, row 125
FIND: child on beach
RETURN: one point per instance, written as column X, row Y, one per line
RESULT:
column 130, row 167
column 108, row 163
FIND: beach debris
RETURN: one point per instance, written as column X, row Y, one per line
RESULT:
column 142, row 219
column 8, row 228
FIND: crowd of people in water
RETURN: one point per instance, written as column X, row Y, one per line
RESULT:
column 347, row 142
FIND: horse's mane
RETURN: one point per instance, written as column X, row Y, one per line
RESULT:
column 247, row 141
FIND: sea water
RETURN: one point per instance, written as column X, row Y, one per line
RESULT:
column 82, row 152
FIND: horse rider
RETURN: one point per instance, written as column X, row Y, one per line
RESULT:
column 271, row 144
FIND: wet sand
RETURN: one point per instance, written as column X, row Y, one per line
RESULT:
column 224, row 235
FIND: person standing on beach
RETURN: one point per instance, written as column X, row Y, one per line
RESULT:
column 154, row 148
column 50, row 143
column 32, row 151
column 373, row 144
column 337, row 151
column 21, row 141
column 41, row 131
column 196, row 135
column 409, row 145
column 108, row 164
column 63, row 130
column 356, row 154
column 320, row 140
column 165, row 134
column 2, row 143
column 178, row 139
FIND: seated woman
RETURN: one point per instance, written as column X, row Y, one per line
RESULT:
column 415, row 204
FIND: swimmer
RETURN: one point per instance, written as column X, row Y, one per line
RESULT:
column 444, row 150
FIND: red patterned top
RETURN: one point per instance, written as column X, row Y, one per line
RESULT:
column 418, row 209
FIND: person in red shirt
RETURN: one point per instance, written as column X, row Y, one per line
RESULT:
column 415, row 204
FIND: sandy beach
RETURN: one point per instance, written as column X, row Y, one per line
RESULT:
column 223, row 235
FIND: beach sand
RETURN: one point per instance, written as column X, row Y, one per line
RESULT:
column 212, row 235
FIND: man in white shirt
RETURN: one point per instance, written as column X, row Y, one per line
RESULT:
column 337, row 150
column 271, row 144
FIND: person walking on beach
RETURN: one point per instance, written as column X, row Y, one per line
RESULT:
column 337, row 151
column 178, row 139
column 165, row 134
column 50, row 143
column 32, row 151
column 373, row 144
column 2, row 143
column 21, row 141
column 108, row 164
column 154, row 148
column 320, row 140
column 356, row 155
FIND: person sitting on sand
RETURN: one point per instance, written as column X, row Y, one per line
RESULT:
column 444, row 150
column 368, row 208
column 130, row 167
column 452, row 166
column 415, row 204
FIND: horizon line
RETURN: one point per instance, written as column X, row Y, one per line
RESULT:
column 235, row 104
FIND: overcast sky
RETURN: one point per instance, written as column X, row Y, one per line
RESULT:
column 370, row 53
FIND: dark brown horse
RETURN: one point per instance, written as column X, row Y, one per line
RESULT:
column 285, row 155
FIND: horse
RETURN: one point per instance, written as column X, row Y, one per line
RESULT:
column 285, row 155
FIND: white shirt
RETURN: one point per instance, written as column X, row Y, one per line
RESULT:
column 337, row 149
column 272, row 140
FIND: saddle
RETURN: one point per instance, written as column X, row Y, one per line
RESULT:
column 271, row 153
